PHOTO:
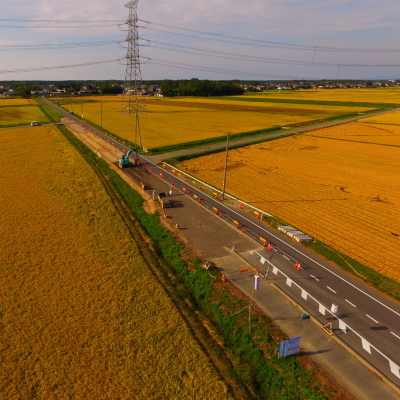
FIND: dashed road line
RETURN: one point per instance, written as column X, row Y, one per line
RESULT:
column 331, row 289
column 350, row 303
column 315, row 278
column 372, row 319
column 398, row 337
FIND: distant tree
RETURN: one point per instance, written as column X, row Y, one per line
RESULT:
column 107, row 89
column 25, row 90
column 168, row 88
column 196, row 87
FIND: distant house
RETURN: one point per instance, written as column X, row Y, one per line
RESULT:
column 85, row 90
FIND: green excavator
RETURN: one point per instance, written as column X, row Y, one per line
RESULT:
column 124, row 161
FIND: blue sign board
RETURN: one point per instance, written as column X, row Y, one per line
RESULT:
column 290, row 346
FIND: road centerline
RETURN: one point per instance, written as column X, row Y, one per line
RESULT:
column 398, row 337
column 350, row 303
column 372, row 319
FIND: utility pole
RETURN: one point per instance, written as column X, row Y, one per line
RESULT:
column 132, row 99
column 226, row 165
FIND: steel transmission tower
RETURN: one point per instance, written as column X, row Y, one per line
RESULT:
column 132, row 100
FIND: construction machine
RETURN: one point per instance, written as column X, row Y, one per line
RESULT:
column 124, row 161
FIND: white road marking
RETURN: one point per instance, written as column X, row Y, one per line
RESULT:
column 287, row 258
column 350, row 303
column 293, row 248
column 331, row 289
column 398, row 337
column 372, row 319
column 315, row 278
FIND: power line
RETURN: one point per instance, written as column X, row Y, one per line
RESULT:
column 241, row 57
column 165, row 63
column 264, row 43
column 52, row 46
column 216, row 36
column 5, row 71
column 80, row 21
column 58, row 26
column 77, row 23
column 192, row 67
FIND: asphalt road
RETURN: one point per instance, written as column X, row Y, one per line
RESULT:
column 371, row 321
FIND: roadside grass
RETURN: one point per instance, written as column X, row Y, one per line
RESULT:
column 254, row 361
column 51, row 114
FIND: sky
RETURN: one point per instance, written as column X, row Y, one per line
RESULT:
column 210, row 39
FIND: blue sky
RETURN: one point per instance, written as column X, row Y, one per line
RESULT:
column 285, row 39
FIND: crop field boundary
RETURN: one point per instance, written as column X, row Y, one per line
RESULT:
column 206, row 303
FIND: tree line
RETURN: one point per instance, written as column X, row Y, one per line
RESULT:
column 196, row 87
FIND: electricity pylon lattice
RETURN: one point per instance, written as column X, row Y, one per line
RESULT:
column 132, row 98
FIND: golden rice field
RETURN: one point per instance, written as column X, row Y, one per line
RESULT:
column 21, row 115
column 16, row 102
column 342, row 192
column 80, row 313
column 173, row 121
column 381, row 129
column 392, row 118
column 371, row 95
